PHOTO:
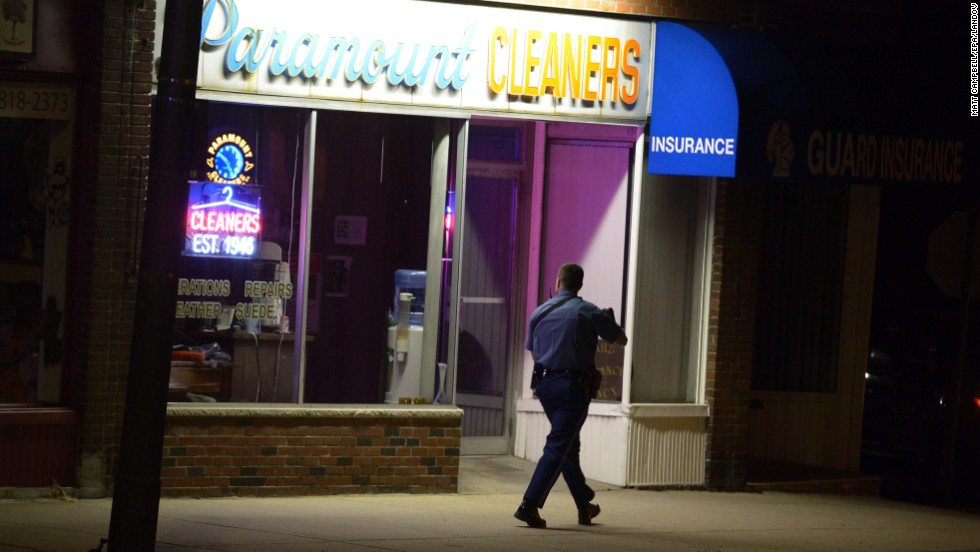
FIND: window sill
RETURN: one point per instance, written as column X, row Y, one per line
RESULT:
column 273, row 410
column 639, row 410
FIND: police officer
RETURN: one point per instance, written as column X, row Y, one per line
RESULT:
column 562, row 337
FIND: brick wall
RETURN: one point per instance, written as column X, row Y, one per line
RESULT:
column 731, row 331
column 757, row 14
column 114, row 145
column 310, row 451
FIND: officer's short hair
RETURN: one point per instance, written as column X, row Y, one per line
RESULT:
column 571, row 276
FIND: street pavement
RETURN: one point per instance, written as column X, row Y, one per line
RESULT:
column 480, row 517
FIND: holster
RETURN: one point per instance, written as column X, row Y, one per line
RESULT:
column 537, row 375
column 592, row 380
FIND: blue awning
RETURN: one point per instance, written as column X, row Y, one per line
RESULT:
column 715, row 92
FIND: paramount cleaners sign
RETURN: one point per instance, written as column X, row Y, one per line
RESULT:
column 427, row 54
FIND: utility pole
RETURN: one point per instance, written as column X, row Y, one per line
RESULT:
column 136, row 494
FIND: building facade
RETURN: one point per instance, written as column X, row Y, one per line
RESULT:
column 362, row 190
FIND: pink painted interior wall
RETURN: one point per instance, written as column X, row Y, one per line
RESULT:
column 585, row 218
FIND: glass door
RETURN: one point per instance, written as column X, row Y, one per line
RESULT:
column 489, row 329
column 485, row 297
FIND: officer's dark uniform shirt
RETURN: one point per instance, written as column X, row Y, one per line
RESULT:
column 566, row 339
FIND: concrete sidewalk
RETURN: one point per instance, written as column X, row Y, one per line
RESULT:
column 480, row 518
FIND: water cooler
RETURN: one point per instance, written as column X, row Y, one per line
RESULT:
column 405, row 338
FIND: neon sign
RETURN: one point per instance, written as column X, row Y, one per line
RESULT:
column 222, row 220
column 229, row 158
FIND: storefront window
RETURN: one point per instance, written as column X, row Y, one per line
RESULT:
column 236, row 303
column 672, row 274
column 370, row 220
column 35, row 161
column 495, row 143
column 270, row 250
column 797, row 332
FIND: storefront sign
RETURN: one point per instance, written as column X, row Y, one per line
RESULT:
column 694, row 110
column 563, row 64
column 805, row 152
column 210, row 296
column 427, row 54
column 29, row 100
column 222, row 220
column 609, row 361
column 859, row 156
column 301, row 54
column 267, row 295
column 201, row 288
column 230, row 159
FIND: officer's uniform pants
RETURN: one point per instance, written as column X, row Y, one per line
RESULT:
column 566, row 404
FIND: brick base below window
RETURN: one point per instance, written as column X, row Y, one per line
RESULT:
column 280, row 450
column 38, row 446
